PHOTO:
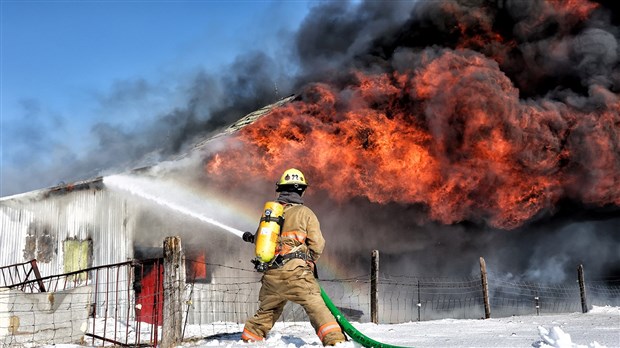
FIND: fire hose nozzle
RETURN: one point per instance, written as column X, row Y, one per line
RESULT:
column 248, row 237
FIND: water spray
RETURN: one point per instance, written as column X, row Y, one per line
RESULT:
column 158, row 193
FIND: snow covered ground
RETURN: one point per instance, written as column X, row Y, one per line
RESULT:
column 598, row 328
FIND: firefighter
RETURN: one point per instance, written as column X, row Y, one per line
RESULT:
column 291, row 276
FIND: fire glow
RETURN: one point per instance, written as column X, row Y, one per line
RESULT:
column 448, row 130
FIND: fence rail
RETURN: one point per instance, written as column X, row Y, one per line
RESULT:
column 21, row 273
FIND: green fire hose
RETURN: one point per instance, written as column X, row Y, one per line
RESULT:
column 350, row 330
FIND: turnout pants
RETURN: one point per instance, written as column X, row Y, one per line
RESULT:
column 298, row 285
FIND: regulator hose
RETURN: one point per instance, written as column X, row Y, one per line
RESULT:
column 350, row 330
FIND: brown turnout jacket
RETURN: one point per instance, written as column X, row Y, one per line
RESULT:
column 301, row 232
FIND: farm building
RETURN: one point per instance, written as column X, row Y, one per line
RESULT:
column 89, row 223
column 123, row 218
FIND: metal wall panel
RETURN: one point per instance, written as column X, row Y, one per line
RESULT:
column 47, row 220
column 119, row 225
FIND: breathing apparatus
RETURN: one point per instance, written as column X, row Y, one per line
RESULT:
column 266, row 237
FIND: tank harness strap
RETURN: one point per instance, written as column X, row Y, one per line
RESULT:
column 295, row 255
column 280, row 260
column 279, row 220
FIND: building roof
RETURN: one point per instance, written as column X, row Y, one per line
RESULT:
column 245, row 120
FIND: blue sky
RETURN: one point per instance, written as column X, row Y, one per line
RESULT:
column 66, row 65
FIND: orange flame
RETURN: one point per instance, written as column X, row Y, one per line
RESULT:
column 198, row 267
column 452, row 135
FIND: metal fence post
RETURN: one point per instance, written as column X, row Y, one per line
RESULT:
column 419, row 304
column 174, row 285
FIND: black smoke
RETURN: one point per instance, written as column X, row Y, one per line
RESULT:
column 210, row 102
column 550, row 52
column 546, row 52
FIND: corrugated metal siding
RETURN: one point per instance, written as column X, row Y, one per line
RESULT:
column 98, row 214
column 13, row 227
column 115, row 221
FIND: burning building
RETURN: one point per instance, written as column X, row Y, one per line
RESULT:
column 437, row 132
column 100, row 222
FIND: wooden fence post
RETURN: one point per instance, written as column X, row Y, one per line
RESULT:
column 374, row 293
column 174, row 285
column 485, row 288
column 582, row 289
column 419, row 304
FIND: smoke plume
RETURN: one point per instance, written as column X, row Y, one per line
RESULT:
column 436, row 131
column 499, row 114
column 453, row 109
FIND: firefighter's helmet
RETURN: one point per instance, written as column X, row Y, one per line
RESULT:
column 292, row 178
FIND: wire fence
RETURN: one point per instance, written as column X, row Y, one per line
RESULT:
column 123, row 304
column 403, row 298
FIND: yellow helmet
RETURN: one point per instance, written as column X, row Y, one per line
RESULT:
column 293, row 177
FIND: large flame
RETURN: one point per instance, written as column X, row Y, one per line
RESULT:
column 447, row 130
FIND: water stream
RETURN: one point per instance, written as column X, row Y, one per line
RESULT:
column 167, row 195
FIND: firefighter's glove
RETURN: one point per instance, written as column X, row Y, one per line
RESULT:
column 248, row 237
